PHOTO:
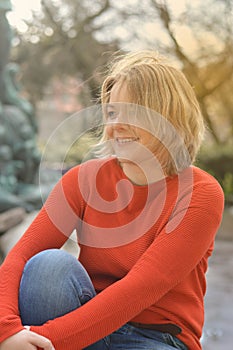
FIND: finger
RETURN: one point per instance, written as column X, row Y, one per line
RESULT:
column 32, row 347
column 41, row 342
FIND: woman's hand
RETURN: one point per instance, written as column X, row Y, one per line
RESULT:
column 26, row 340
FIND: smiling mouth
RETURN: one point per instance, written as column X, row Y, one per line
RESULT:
column 126, row 140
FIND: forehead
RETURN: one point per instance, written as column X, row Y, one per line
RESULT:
column 120, row 93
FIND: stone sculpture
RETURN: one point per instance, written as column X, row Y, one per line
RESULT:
column 19, row 155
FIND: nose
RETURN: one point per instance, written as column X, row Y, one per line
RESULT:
column 119, row 127
column 116, row 126
column 119, row 122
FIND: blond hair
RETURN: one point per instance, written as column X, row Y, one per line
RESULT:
column 154, row 84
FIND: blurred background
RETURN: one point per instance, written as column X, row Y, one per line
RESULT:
column 54, row 60
column 63, row 46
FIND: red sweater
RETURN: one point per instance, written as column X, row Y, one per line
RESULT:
column 144, row 247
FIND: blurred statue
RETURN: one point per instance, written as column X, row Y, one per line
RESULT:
column 9, row 182
column 21, row 138
column 5, row 40
column 12, row 94
column 19, row 154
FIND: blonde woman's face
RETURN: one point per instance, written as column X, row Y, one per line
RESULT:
column 126, row 135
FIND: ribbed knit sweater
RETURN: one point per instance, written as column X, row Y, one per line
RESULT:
column 144, row 247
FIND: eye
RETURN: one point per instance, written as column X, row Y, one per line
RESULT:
column 111, row 114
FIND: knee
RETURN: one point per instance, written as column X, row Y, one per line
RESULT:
column 57, row 268
column 52, row 261
column 53, row 283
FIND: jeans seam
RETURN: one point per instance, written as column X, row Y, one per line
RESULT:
column 85, row 297
column 173, row 341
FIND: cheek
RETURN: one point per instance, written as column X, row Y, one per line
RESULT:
column 148, row 139
column 144, row 136
column 109, row 131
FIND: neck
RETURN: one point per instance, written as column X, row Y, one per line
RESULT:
column 142, row 175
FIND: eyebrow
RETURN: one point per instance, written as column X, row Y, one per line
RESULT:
column 110, row 106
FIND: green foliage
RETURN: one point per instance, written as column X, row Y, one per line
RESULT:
column 218, row 161
column 81, row 149
column 63, row 152
column 227, row 184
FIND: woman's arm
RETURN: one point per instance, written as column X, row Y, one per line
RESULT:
column 50, row 229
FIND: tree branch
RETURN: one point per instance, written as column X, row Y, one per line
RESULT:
column 89, row 19
column 190, row 68
column 165, row 17
column 50, row 15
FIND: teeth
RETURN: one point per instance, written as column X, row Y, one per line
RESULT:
column 125, row 140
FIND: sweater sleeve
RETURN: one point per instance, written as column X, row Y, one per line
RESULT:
column 50, row 229
column 174, row 253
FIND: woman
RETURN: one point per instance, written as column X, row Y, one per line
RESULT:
column 146, row 220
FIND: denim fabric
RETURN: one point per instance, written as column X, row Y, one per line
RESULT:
column 130, row 337
column 55, row 283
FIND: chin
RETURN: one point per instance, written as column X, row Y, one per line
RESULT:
column 123, row 160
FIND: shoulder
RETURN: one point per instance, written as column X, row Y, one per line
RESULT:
column 207, row 192
column 91, row 165
column 90, row 171
column 200, row 198
column 98, row 167
column 198, row 189
column 196, row 180
column 98, row 163
column 201, row 179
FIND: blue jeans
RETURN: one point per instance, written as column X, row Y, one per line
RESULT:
column 55, row 283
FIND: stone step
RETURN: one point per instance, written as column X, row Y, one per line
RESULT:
column 11, row 218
